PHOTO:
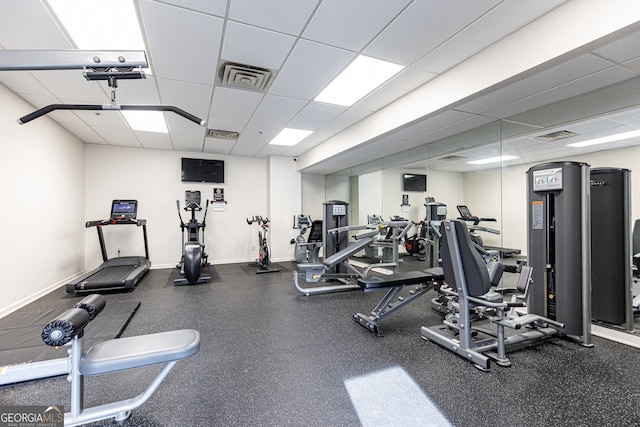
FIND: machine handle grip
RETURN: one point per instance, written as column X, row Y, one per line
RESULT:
column 61, row 330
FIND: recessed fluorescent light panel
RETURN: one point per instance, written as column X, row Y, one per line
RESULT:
column 146, row 121
column 492, row 160
column 361, row 77
column 98, row 25
column 605, row 139
column 290, row 137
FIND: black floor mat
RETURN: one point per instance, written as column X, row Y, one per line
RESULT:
column 20, row 340
column 205, row 271
column 252, row 268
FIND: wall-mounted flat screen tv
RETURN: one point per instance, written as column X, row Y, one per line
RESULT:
column 414, row 182
column 202, row 170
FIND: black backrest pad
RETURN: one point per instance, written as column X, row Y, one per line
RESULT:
column 475, row 270
column 447, row 267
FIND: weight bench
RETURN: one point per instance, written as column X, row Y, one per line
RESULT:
column 112, row 356
column 313, row 272
column 421, row 281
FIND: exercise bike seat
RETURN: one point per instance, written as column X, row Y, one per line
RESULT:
column 144, row 350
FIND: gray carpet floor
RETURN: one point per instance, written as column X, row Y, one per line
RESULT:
column 271, row 356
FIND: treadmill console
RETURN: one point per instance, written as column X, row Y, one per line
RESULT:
column 124, row 210
column 465, row 213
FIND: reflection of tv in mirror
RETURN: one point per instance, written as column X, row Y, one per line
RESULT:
column 414, row 182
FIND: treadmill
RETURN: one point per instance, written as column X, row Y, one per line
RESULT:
column 121, row 273
column 465, row 214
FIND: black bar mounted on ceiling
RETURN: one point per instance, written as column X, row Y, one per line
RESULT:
column 79, row 107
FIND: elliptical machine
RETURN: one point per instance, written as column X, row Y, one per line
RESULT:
column 264, row 258
column 193, row 253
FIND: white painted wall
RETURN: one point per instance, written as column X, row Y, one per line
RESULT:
column 313, row 195
column 285, row 201
column 41, row 223
column 153, row 178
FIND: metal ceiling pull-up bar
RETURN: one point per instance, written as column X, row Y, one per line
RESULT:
column 98, row 65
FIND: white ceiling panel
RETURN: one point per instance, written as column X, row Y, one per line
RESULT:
column 285, row 16
column 185, row 133
column 423, row 26
column 23, row 82
column 191, row 97
column 117, row 136
column 154, row 140
column 17, row 33
column 143, row 91
column 410, row 79
column 623, row 49
column 501, row 21
column 577, row 87
column 72, row 86
column 183, row 45
column 218, row 146
column 103, row 119
column 315, row 115
column 212, row 7
column 304, row 75
column 255, row 47
column 233, row 106
column 352, row 24
column 84, row 133
column 270, row 118
column 559, row 74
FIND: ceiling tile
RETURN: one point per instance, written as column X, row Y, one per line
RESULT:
column 351, row 24
column 72, row 86
column 408, row 80
column 623, row 49
column 422, row 27
column 84, row 132
column 213, row 7
column 14, row 34
column 23, row 82
column 256, row 47
column 233, row 106
column 309, row 69
column 154, row 140
column 218, row 146
column 189, row 51
column 315, row 115
column 117, row 136
column 193, row 98
column 501, row 21
column 285, row 16
column 270, row 118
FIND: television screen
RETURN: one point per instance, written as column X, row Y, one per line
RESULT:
column 414, row 182
column 202, row 170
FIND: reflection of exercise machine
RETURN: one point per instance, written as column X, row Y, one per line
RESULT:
column 112, row 356
column 465, row 214
column 335, row 266
column 115, row 273
column 264, row 258
column 307, row 249
column 194, row 256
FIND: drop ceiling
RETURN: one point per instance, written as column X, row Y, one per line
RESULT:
column 467, row 65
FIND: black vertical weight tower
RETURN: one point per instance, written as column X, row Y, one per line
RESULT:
column 335, row 215
column 559, row 247
column 611, row 273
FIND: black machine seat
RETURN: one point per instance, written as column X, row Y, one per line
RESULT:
column 315, row 232
column 476, row 278
column 468, row 276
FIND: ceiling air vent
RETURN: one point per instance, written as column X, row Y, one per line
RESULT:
column 554, row 136
column 222, row 134
column 452, row 158
column 245, row 77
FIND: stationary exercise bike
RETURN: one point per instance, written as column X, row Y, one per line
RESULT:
column 194, row 256
column 264, row 260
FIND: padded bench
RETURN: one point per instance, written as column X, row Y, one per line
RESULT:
column 420, row 281
column 113, row 356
